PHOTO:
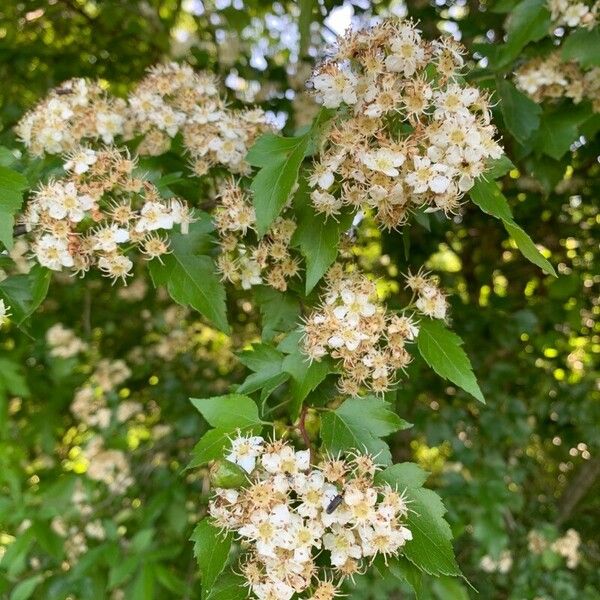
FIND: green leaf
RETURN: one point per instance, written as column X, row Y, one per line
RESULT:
column 487, row 195
column 403, row 475
column 498, row 167
column 12, row 377
column 210, row 447
column 528, row 248
column 143, row 585
column 12, row 185
column 279, row 311
column 360, row 423
column 583, row 45
column 430, row 549
column 228, row 412
column 403, row 569
column 559, row 130
column 280, row 159
column 304, row 21
column 267, row 364
column 489, row 198
column 528, row 22
column 521, row 114
column 316, row 236
column 441, row 350
column 229, row 587
column 211, row 549
column 306, row 376
column 190, row 276
column 25, row 588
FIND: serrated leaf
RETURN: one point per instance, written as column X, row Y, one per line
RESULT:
column 521, row 114
column 488, row 196
column 280, row 159
column 316, row 236
column 360, row 423
column 210, row 447
column 228, row 412
column 306, row 376
column 402, row 475
column 583, row 46
column 12, row 185
column 528, row 248
column 229, row 587
column 211, row 549
column 279, row 311
column 528, row 22
column 498, row 167
column 559, row 130
column 441, row 350
column 431, row 548
column 25, row 292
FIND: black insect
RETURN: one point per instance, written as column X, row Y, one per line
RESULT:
column 334, row 504
column 65, row 91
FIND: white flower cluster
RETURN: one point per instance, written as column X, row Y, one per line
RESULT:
column 291, row 511
column 75, row 111
column 107, row 465
column 63, row 342
column 77, row 528
column 173, row 99
column 566, row 546
column 97, row 213
column 550, row 78
column 352, row 327
column 267, row 261
column 408, row 134
column 574, row 13
column 502, row 565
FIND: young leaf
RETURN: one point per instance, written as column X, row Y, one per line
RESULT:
column 487, row 195
column 25, row 292
column 360, row 423
column 431, row 547
column 430, row 550
column 211, row 549
column 279, row 311
column 528, row 248
column 280, row 160
column 521, row 114
column 190, row 276
column 12, row 184
column 583, row 45
column 228, row 412
column 316, row 236
column 441, row 350
column 306, row 376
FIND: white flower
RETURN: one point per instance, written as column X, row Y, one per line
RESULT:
column 286, row 461
column 383, row 538
column 348, row 337
column 109, row 125
column 244, row 451
column 383, row 160
column 80, row 160
column 342, row 544
column 333, row 89
column 107, row 238
column 68, row 204
column 53, row 252
column 249, row 273
column 427, row 176
column 354, row 307
column 154, row 215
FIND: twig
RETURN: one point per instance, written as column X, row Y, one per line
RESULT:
column 302, row 429
column 577, row 489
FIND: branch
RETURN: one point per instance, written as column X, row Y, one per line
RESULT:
column 577, row 489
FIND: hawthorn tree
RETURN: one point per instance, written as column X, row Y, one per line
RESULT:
column 294, row 304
